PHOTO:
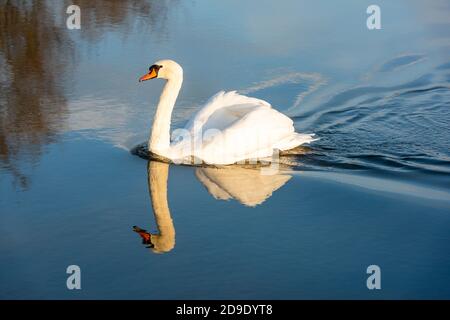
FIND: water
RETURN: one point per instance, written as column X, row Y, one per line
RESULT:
column 373, row 190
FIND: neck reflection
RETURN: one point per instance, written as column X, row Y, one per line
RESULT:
column 164, row 240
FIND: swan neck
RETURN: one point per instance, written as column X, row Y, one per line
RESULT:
column 160, row 136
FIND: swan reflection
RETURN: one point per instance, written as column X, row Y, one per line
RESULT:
column 164, row 241
column 246, row 185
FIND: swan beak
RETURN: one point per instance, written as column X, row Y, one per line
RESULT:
column 152, row 74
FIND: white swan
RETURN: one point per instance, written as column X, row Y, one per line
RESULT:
column 230, row 127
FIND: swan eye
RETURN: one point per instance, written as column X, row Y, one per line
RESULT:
column 155, row 66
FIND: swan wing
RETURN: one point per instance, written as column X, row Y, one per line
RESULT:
column 233, row 127
column 253, row 136
column 222, row 109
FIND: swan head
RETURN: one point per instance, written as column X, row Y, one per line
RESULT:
column 163, row 69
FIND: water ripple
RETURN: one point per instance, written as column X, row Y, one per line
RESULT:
column 400, row 132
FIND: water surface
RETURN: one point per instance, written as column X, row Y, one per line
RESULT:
column 373, row 190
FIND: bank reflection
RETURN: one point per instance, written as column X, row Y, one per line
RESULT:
column 249, row 186
column 38, row 60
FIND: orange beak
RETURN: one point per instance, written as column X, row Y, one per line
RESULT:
column 152, row 74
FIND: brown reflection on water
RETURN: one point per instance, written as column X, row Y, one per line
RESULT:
column 35, row 54
column 100, row 16
column 37, row 58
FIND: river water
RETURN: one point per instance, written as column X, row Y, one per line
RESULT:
column 374, row 190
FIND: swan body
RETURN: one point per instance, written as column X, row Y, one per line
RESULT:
column 230, row 127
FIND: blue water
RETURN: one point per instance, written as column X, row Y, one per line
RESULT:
column 373, row 190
